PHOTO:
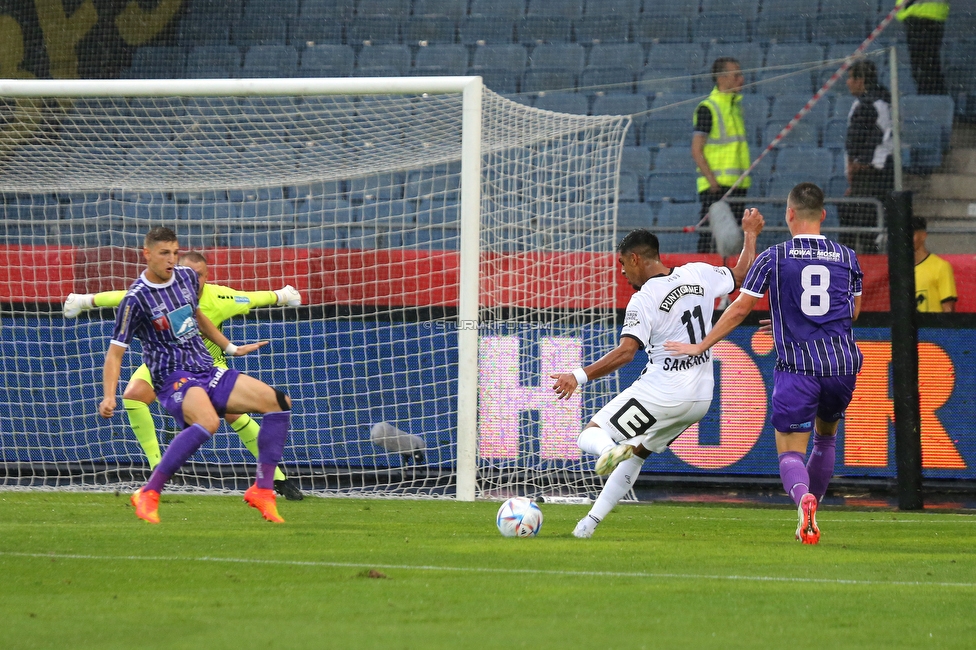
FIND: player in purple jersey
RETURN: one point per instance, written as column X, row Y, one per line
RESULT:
column 160, row 309
column 814, row 287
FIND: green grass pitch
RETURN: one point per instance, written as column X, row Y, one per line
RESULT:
column 80, row 571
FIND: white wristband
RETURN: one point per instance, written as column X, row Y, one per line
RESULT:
column 581, row 377
column 230, row 350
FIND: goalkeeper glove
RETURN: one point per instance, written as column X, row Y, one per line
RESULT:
column 77, row 303
column 288, row 296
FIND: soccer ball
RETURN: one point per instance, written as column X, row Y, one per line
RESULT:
column 519, row 517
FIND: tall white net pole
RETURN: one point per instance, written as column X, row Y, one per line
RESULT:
column 468, row 291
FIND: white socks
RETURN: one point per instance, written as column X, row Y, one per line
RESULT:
column 620, row 481
column 595, row 441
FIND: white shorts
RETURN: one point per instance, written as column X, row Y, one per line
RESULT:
column 637, row 417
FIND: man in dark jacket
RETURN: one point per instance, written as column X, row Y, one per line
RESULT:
column 869, row 163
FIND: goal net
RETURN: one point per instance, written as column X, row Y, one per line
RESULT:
column 452, row 248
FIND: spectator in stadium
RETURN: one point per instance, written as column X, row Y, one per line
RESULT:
column 161, row 309
column 720, row 146
column 869, row 162
column 935, row 283
column 218, row 303
column 924, row 27
column 814, row 288
column 671, row 394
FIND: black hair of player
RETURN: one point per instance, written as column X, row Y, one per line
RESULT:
column 866, row 70
column 158, row 235
column 806, row 197
column 640, row 241
column 719, row 66
column 920, row 224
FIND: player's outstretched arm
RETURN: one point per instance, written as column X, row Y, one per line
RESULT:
column 612, row 361
column 287, row 296
column 76, row 303
column 110, row 379
column 209, row 330
column 752, row 225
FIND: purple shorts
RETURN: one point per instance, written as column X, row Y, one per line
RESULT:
column 218, row 382
column 798, row 399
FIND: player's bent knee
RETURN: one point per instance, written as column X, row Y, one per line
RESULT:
column 139, row 391
column 283, row 400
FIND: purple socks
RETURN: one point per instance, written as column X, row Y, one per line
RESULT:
column 271, row 446
column 820, row 466
column 796, row 480
column 183, row 446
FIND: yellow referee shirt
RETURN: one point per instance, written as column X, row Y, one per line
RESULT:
column 934, row 283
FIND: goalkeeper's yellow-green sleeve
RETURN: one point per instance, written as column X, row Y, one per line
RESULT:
column 261, row 298
column 109, row 298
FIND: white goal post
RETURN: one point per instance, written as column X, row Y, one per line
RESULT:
column 494, row 221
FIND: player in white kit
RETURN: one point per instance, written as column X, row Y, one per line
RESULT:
column 672, row 393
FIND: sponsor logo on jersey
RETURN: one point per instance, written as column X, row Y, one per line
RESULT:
column 631, row 319
column 801, row 425
column 633, row 419
column 675, row 364
column 182, row 322
column 161, row 324
column 242, row 299
column 680, row 292
column 180, row 383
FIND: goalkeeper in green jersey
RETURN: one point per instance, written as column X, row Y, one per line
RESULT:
column 218, row 303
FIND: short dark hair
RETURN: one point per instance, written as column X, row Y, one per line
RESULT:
column 159, row 234
column 920, row 223
column 193, row 256
column 718, row 66
column 806, row 196
column 866, row 70
column 640, row 241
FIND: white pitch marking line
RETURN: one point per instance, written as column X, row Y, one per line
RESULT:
column 425, row 567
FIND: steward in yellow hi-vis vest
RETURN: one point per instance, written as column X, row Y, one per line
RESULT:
column 727, row 147
column 924, row 28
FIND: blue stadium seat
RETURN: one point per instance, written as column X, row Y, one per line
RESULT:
column 781, row 184
column 761, row 174
column 258, row 237
column 435, row 212
column 836, row 186
column 201, row 157
column 30, row 207
column 689, row 57
column 755, row 111
column 613, row 55
column 847, row 25
column 506, row 57
column 377, row 187
column 502, row 9
column 629, row 187
column 803, row 134
column 441, row 60
column 197, row 236
column 214, row 8
column 785, row 107
column 395, row 57
column 631, row 216
column 390, row 213
column 637, row 160
column 623, row 104
column 317, row 210
column 575, row 103
column 672, row 160
column 373, row 30
column 684, row 7
column 796, row 161
column 194, row 31
column 906, row 83
column 158, row 62
column 666, row 129
column 429, row 29
column 310, row 29
column 432, row 238
column 936, row 108
column 501, row 80
column 535, row 30
column 260, row 28
column 924, row 138
column 441, row 181
column 536, row 81
column 610, row 79
column 327, row 61
column 455, row 9
column 566, row 56
column 481, row 30
column 214, row 61
column 602, row 29
column 835, row 134
column 270, row 61
column 654, row 79
column 721, row 27
column 866, row 8
column 570, row 9
column 832, row 219
column 784, row 22
column 746, row 8
column 678, row 215
column 282, row 7
column 203, row 210
column 628, row 9
column 662, row 28
column 790, row 54
column 398, row 8
column 672, row 187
